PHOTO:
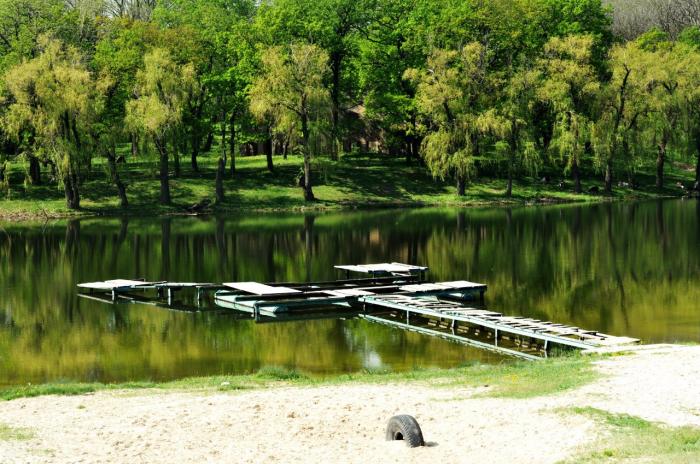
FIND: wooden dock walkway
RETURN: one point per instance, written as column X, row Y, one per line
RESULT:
column 505, row 333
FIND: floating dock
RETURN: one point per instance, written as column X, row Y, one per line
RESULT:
column 393, row 294
column 261, row 299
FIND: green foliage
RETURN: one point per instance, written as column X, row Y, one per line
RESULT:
column 162, row 87
column 569, row 86
column 525, row 85
column 653, row 40
column 690, row 36
column 53, row 101
column 449, row 94
column 290, row 87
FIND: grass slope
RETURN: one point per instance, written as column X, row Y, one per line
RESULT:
column 353, row 181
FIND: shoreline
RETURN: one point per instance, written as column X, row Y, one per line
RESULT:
column 571, row 371
column 606, row 416
column 138, row 211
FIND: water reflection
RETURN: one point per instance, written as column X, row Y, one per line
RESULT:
column 628, row 269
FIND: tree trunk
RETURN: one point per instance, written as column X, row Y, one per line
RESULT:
column 660, row 161
column 232, row 142
column 308, row 192
column 209, row 142
column 268, row 154
column 176, row 156
column 336, row 60
column 509, row 188
column 34, row 170
column 223, row 137
column 576, row 175
column 461, row 185
column 415, row 145
column 164, row 181
column 196, row 142
column 114, row 174
column 511, row 167
column 176, row 162
column 70, row 187
column 134, row 145
column 608, row 176
column 3, row 166
column 220, row 181
column 697, row 165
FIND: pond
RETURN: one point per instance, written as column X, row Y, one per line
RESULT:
column 622, row 268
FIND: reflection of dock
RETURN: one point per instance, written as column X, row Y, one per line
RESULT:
column 394, row 294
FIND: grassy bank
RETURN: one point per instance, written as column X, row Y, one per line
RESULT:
column 353, row 181
column 514, row 380
column 633, row 439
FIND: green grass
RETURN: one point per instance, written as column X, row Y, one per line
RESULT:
column 353, row 181
column 8, row 433
column 633, row 439
column 514, row 380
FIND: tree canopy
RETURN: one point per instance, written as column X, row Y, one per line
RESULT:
column 505, row 88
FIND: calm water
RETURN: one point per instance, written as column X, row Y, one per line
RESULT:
column 628, row 269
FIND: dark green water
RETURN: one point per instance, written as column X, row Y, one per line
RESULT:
column 627, row 269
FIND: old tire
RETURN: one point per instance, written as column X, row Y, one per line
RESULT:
column 404, row 427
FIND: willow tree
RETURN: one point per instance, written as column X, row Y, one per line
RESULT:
column 570, row 84
column 511, row 124
column 290, row 92
column 665, row 82
column 622, row 106
column 53, row 97
column 162, row 87
column 689, row 48
column 447, row 95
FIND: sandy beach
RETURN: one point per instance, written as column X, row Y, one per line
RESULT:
column 346, row 423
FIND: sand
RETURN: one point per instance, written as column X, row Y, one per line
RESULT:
column 345, row 424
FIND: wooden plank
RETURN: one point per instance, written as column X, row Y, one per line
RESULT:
column 184, row 285
column 462, row 284
column 380, row 267
column 423, row 288
column 257, row 288
column 353, row 292
column 113, row 284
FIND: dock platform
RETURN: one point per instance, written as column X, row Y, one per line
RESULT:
column 394, row 294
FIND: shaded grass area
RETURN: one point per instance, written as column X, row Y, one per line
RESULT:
column 633, row 439
column 357, row 180
column 8, row 433
column 513, row 380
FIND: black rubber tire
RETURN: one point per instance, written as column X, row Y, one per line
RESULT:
column 406, row 428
